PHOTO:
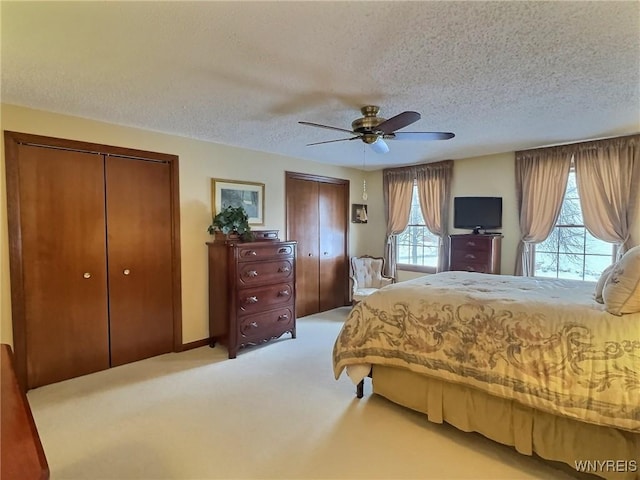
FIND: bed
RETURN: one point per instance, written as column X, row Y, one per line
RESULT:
column 534, row 363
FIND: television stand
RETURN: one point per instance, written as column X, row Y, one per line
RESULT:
column 475, row 253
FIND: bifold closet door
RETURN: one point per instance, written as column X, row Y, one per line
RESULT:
column 139, row 240
column 332, row 198
column 302, row 226
column 317, row 210
column 63, row 242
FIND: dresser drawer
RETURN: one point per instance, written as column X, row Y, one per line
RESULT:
column 256, row 299
column 470, row 256
column 472, row 267
column 262, row 252
column 263, row 326
column 256, row 273
column 477, row 244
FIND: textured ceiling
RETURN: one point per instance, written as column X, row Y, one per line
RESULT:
column 502, row 75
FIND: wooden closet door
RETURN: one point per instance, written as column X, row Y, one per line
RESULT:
column 333, row 245
column 61, row 198
column 139, row 258
column 302, row 226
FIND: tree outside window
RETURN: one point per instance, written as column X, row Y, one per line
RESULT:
column 571, row 251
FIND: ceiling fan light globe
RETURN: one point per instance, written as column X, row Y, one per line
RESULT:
column 380, row 146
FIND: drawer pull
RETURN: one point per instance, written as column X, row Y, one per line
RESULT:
column 250, row 253
column 470, row 269
column 282, row 317
column 283, row 250
column 251, row 300
column 251, row 274
column 283, row 269
column 469, row 255
column 254, row 324
column 471, row 244
column 283, row 293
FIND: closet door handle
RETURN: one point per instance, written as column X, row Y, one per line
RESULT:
column 86, row 275
column 126, row 271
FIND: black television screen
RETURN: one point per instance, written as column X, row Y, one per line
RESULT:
column 477, row 213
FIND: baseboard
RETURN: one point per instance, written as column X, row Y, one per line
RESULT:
column 196, row 344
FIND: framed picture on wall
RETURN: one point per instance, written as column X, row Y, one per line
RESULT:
column 359, row 213
column 249, row 195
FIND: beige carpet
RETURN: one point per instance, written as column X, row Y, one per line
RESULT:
column 274, row 412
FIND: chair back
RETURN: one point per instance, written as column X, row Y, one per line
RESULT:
column 367, row 271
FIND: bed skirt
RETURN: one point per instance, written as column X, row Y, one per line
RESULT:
column 507, row 422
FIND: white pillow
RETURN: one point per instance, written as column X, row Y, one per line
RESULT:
column 621, row 291
column 604, row 276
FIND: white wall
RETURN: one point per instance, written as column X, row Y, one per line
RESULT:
column 491, row 176
column 199, row 162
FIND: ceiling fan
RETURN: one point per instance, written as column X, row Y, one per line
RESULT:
column 374, row 130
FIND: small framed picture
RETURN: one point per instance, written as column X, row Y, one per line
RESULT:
column 359, row 213
column 249, row 195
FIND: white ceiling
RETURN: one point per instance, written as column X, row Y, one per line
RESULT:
column 503, row 76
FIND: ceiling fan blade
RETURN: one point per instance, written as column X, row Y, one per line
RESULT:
column 331, row 141
column 399, row 121
column 418, row 136
column 328, row 127
column 380, row 146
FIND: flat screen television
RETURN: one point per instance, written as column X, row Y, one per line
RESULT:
column 477, row 213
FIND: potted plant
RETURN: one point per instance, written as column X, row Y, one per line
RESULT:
column 232, row 221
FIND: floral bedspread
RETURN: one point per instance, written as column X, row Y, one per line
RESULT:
column 545, row 343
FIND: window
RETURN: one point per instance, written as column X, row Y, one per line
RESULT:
column 571, row 251
column 417, row 248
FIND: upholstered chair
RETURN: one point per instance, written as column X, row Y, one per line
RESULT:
column 367, row 277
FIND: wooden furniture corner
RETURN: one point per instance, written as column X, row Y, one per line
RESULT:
column 22, row 455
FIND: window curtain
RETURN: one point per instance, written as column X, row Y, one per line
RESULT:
column 434, row 193
column 608, row 179
column 397, row 193
column 541, row 180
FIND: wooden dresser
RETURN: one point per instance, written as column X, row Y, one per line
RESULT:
column 475, row 253
column 251, row 292
column 22, row 456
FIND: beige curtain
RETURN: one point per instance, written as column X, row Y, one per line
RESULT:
column 541, row 180
column 434, row 193
column 608, row 179
column 397, row 191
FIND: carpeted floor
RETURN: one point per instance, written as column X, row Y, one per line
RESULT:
column 273, row 412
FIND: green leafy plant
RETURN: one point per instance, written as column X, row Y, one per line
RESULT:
column 232, row 220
